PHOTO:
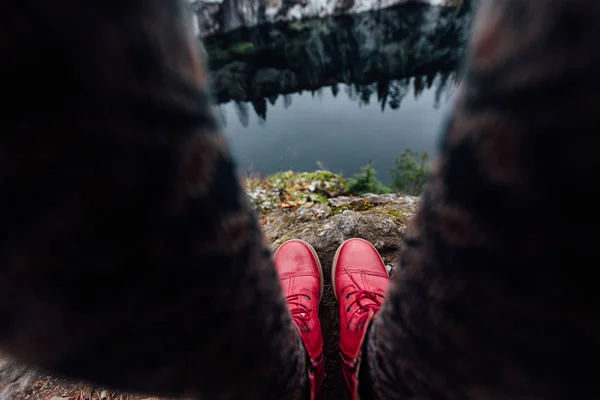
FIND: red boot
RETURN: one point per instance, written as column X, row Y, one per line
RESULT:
column 360, row 282
column 301, row 278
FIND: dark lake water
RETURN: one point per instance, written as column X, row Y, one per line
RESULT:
column 338, row 93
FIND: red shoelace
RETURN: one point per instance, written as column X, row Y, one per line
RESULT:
column 300, row 313
column 375, row 300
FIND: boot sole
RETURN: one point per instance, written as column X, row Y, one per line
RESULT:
column 314, row 253
column 335, row 261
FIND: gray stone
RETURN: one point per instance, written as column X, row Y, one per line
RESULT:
column 380, row 219
column 312, row 212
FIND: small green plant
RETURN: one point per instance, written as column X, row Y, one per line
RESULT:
column 366, row 182
column 242, row 48
column 410, row 174
column 218, row 56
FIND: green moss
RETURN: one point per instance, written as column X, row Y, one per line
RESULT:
column 321, row 176
column 280, row 178
column 303, row 180
column 362, row 206
column 339, row 210
column 396, row 214
column 310, row 197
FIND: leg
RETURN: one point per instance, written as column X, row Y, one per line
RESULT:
column 495, row 295
column 125, row 233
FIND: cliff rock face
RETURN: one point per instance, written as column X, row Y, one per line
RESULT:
column 375, row 52
column 217, row 16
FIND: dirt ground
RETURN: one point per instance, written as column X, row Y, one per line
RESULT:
column 20, row 383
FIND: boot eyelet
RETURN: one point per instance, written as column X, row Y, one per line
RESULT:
column 347, row 296
column 348, row 309
column 307, row 297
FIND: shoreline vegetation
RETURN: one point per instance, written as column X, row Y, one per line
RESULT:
column 288, row 190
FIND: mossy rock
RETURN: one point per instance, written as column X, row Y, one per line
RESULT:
column 398, row 214
column 290, row 190
column 362, row 206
